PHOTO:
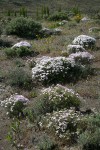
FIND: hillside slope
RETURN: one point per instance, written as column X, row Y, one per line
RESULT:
column 87, row 6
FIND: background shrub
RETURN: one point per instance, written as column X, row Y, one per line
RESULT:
column 18, row 52
column 5, row 43
column 58, row 16
column 23, row 27
column 0, row 30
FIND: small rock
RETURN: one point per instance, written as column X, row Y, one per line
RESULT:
column 22, row 43
column 48, row 32
column 85, row 19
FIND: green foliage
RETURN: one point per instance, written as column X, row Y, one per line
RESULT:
column 23, row 12
column 23, row 27
column 9, row 12
column 18, row 52
column 14, row 135
column 45, row 12
column 42, row 106
column 0, row 30
column 46, row 143
column 19, row 78
column 58, row 16
column 76, row 10
column 90, row 139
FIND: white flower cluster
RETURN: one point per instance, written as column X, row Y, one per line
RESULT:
column 47, row 68
column 85, row 41
column 62, row 97
column 74, row 49
column 83, row 57
column 10, row 103
column 60, row 122
column 59, row 93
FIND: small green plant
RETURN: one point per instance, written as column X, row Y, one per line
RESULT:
column 18, row 52
column 14, row 135
column 19, row 63
column 9, row 13
column 23, row 12
column 78, row 18
column 76, row 10
column 19, row 78
column 23, row 27
column 46, row 143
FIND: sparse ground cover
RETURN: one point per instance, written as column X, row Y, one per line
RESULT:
column 49, row 120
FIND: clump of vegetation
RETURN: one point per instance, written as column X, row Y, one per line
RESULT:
column 46, row 143
column 58, row 16
column 15, row 105
column 64, row 124
column 23, row 27
column 0, row 30
column 76, row 11
column 18, row 52
column 15, row 134
column 23, row 12
column 19, row 78
column 55, row 98
column 90, row 139
column 60, row 69
column 78, row 18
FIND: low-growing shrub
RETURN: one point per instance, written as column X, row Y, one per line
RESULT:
column 18, row 52
column 90, row 139
column 83, row 58
column 46, row 143
column 15, row 134
column 15, row 105
column 58, row 16
column 61, row 97
column 19, row 78
column 63, row 124
column 23, row 27
column 55, row 98
column 57, row 69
